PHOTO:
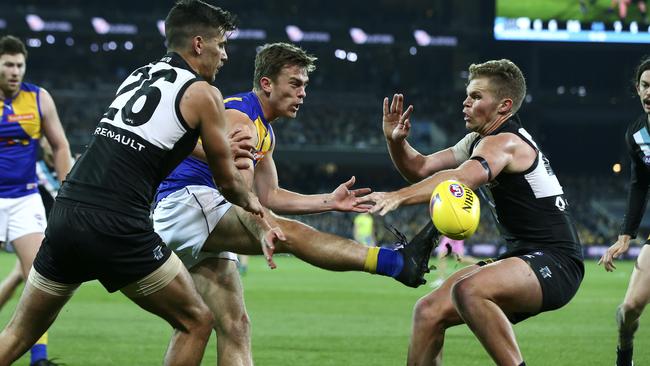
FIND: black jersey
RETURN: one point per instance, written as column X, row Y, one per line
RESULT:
column 138, row 141
column 530, row 205
column 637, row 139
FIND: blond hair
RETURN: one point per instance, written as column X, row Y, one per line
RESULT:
column 506, row 79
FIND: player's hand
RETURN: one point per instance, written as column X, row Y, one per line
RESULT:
column 241, row 147
column 396, row 121
column 271, row 235
column 385, row 202
column 346, row 199
column 252, row 204
column 616, row 250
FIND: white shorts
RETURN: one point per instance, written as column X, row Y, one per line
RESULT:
column 185, row 218
column 21, row 216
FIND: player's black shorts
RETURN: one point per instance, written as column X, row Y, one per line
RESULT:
column 84, row 243
column 558, row 273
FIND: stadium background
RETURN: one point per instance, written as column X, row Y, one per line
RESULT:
column 580, row 99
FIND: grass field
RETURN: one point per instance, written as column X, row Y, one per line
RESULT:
column 306, row 316
column 564, row 10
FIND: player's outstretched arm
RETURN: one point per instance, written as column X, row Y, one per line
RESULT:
column 265, row 229
column 411, row 164
column 283, row 201
column 498, row 151
column 55, row 135
column 202, row 107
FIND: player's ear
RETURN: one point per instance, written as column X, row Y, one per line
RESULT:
column 505, row 106
column 197, row 44
column 265, row 84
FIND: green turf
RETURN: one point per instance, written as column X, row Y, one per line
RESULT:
column 305, row 316
column 564, row 10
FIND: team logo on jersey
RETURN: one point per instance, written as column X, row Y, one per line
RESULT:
column 456, row 190
column 157, row 253
column 258, row 155
column 20, row 117
column 545, row 272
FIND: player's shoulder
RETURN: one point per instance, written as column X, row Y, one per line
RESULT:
column 29, row 87
column 243, row 102
column 637, row 124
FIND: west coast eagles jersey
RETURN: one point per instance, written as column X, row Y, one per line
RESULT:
column 193, row 171
column 138, row 141
column 20, row 130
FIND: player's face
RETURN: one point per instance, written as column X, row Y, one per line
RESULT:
column 289, row 90
column 643, row 89
column 214, row 56
column 12, row 71
column 480, row 107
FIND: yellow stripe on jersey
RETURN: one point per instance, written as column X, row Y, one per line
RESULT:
column 237, row 99
column 264, row 141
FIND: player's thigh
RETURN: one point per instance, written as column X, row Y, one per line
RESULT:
column 510, row 283
column 217, row 281
column 178, row 302
column 26, row 248
column 638, row 291
column 438, row 304
column 231, row 234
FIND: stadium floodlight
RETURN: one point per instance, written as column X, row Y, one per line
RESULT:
column 160, row 24
column 352, row 56
column 340, row 54
column 294, row 33
column 33, row 42
column 422, row 38
column 102, row 26
column 37, row 24
column 358, row 35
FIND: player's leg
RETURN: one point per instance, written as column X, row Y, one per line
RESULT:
column 487, row 297
column 217, row 281
column 636, row 298
column 432, row 315
column 10, row 283
column 169, row 293
column 37, row 308
column 26, row 226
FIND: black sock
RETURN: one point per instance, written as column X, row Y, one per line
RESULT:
column 523, row 363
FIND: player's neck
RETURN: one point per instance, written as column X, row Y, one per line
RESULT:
column 8, row 94
column 269, row 115
column 491, row 127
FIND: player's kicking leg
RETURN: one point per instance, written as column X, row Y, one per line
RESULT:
column 406, row 264
column 628, row 313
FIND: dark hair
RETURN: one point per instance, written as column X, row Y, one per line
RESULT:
column 644, row 65
column 272, row 57
column 189, row 18
column 11, row 45
column 507, row 78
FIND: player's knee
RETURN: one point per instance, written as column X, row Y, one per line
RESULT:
column 430, row 312
column 632, row 308
column 464, row 294
column 237, row 328
column 201, row 320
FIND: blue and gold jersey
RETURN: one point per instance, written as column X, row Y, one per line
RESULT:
column 20, row 130
column 192, row 171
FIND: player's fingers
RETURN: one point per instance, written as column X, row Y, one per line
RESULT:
column 350, row 182
column 407, row 114
column 242, row 164
column 279, row 234
column 361, row 192
column 393, row 103
column 234, row 132
column 400, row 103
column 385, row 106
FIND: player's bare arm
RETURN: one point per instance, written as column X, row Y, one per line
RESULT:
column 283, row 201
column 237, row 120
column 240, row 147
column 500, row 152
column 55, row 135
column 202, row 107
column 411, row 164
